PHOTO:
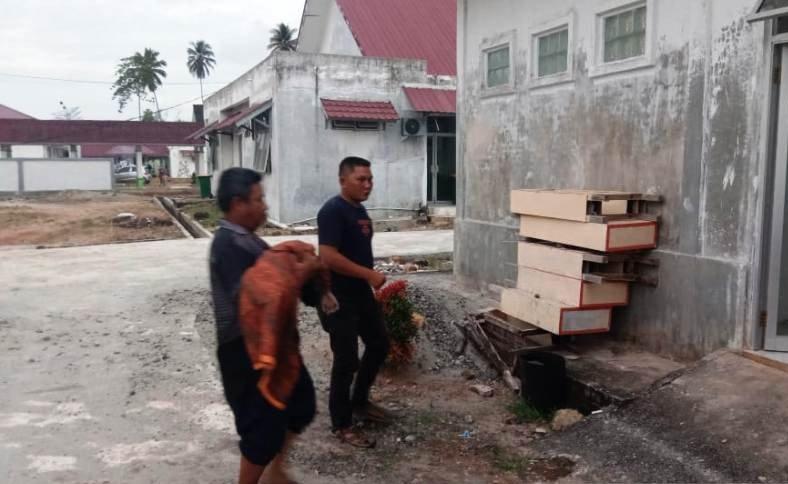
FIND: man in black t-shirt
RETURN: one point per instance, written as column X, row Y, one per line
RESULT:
column 345, row 236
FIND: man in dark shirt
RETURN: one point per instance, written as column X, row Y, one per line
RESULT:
column 345, row 237
column 264, row 430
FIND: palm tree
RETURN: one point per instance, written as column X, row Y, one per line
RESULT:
column 150, row 70
column 282, row 38
column 138, row 74
column 200, row 62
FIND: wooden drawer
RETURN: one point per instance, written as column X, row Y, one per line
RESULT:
column 572, row 292
column 553, row 316
column 567, row 204
column 615, row 236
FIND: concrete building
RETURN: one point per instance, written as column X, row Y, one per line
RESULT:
column 683, row 99
column 26, row 138
column 371, row 78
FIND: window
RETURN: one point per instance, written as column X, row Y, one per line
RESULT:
column 625, row 35
column 59, row 152
column 553, row 51
column 5, row 151
column 498, row 67
column 357, row 125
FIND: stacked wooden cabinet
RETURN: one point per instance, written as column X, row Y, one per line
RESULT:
column 579, row 251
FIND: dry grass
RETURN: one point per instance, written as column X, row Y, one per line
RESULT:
column 78, row 218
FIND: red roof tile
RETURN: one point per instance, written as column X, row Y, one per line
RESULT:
column 8, row 113
column 359, row 110
column 432, row 100
column 228, row 121
column 33, row 131
column 110, row 150
column 407, row 29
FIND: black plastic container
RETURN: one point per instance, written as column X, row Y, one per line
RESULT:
column 543, row 376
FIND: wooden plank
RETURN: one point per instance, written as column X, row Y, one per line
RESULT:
column 552, row 316
column 565, row 205
column 573, row 292
column 474, row 332
column 601, row 278
column 603, row 219
column 611, row 237
column 504, row 321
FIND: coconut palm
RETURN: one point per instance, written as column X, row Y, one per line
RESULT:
column 200, row 61
column 138, row 74
column 283, row 38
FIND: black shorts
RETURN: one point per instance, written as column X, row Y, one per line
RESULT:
column 262, row 427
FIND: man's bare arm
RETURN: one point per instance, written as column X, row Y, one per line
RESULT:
column 344, row 266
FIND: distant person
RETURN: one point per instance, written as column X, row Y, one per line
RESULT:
column 162, row 176
column 264, row 429
column 345, row 236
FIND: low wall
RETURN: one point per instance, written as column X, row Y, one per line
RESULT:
column 28, row 175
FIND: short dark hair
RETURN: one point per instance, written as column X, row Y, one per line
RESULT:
column 351, row 162
column 236, row 182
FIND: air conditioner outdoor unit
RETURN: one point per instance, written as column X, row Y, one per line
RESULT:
column 413, row 127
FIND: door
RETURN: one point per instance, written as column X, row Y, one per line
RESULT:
column 776, row 337
column 441, row 160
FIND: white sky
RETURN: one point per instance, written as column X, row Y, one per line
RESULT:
column 85, row 39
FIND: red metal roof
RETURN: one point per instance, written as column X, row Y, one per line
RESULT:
column 359, row 110
column 8, row 113
column 228, row 121
column 33, row 131
column 111, row 151
column 432, row 100
column 407, row 29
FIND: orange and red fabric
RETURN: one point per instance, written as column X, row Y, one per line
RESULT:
column 268, row 313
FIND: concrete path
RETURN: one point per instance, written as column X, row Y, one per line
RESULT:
column 103, row 376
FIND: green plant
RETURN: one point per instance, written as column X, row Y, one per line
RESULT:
column 524, row 412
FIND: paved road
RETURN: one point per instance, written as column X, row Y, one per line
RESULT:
column 103, row 376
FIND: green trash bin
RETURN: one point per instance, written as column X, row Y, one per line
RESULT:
column 205, row 186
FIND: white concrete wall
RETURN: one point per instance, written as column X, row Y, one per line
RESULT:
column 9, row 176
column 307, row 152
column 182, row 166
column 57, row 175
column 337, row 37
column 29, row 151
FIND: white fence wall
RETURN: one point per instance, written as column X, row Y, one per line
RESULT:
column 56, row 175
column 9, row 176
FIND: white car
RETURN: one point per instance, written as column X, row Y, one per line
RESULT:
column 129, row 175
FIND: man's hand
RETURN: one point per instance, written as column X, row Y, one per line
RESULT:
column 329, row 303
column 376, row 279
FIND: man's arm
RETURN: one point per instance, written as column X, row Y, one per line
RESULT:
column 344, row 266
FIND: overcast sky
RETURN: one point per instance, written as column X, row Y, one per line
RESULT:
column 85, row 39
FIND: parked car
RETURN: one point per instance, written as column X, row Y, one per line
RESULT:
column 129, row 175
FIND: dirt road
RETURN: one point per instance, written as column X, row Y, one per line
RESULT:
column 108, row 376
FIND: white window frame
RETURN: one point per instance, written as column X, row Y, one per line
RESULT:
column 564, row 23
column 507, row 39
column 645, row 61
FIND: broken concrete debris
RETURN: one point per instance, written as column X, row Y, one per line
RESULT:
column 483, row 390
column 565, row 418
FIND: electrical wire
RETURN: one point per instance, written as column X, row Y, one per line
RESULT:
column 87, row 81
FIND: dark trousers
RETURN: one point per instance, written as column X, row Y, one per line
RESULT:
column 359, row 316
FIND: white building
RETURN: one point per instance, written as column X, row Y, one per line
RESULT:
column 682, row 98
column 362, row 68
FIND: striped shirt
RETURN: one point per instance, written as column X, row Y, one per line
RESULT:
column 233, row 250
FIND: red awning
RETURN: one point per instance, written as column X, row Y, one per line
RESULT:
column 110, row 151
column 359, row 110
column 203, row 131
column 432, row 100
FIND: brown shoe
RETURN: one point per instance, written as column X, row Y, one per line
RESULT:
column 374, row 413
column 354, row 437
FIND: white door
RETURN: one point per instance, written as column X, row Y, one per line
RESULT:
column 777, row 297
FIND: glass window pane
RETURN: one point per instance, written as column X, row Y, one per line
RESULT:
column 564, row 40
column 553, row 50
column 611, row 27
column 625, row 35
column 640, row 19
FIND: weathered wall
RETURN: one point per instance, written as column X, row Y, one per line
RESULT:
column 685, row 124
column 182, row 161
column 307, row 152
